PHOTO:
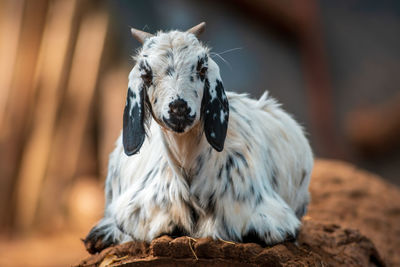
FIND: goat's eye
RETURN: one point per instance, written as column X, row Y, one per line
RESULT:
column 203, row 71
column 147, row 78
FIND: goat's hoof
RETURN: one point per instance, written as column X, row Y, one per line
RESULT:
column 95, row 241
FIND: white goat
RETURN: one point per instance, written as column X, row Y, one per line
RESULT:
column 197, row 175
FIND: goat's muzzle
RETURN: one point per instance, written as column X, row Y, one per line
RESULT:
column 179, row 116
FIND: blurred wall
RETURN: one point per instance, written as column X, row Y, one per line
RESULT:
column 362, row 42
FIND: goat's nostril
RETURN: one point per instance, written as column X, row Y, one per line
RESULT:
column 179, row 107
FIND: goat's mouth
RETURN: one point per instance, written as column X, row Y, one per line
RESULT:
column 179, row 123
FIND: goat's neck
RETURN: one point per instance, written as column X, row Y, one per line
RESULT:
column 183, row 149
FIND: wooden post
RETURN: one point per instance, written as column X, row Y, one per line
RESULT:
column 74, row 117
column 20, row 100
column 50, row 76
column 10, row 30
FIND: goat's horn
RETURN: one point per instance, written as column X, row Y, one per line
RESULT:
column 141, row 36
column 198, row 29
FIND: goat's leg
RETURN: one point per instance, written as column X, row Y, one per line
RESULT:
column 272, row 223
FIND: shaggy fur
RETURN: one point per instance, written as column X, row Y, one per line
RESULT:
column 237, row 171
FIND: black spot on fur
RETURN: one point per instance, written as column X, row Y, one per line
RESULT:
column 239, row 197
column 229, row 162
column 144, row 66
column 194, row 216
column 191, row 79
column 259, row 199
column 147, row 178
column 248, row 147
column 252, row 237
column 229, row 178
column 242, row 158
column 148, row 72
column 228, row 230
column 195, row 93
column 291, row 237
column 144, row 55
column 220, row 173
column 210, row 204
column 121, row 228
column 268, row 234
column 150, row 43
column 155, row 100
column 228, row 166
column 170, row 71
column 226, row 185
column 274, row 180
column 200, row 160
column 240, row 175
column 201, row 63
column 199, row 164
column 169, row 54
column 178, row 231
column 281, row 231
column 303, row 176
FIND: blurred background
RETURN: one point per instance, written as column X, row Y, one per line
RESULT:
column 335, row 66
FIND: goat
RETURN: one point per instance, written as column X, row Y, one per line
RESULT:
column 196, row 174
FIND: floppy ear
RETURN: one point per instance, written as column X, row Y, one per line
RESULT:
column 215, row 108
column 133, row 132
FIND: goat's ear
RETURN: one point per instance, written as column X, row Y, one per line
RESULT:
column 215, row 108
column 133, row 131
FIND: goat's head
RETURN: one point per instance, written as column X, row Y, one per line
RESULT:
column 175, row 81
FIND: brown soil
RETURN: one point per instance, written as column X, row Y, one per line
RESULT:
column 356, row 199
column 343, row 199
column 319, row 245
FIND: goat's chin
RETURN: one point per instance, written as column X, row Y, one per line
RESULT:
column 177, row 128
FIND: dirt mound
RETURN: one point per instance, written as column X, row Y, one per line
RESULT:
column 343, row 199
column 356, row 199
column 318, row 245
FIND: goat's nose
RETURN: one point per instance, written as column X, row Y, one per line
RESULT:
column 179, row 107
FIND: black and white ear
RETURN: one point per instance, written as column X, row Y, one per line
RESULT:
column 133, row 131
column 215, row 109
